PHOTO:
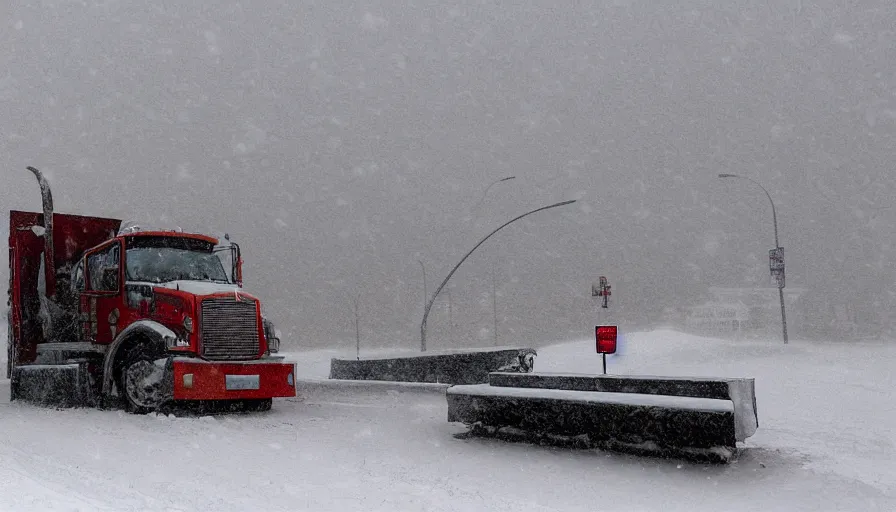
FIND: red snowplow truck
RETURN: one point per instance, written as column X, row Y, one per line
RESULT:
column 100, row 315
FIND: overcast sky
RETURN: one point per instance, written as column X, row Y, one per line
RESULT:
column 342, row 142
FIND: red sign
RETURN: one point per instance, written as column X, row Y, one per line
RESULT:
column 606, row 339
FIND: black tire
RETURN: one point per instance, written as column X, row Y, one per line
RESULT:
column 137, row 357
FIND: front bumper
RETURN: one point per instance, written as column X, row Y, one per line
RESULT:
column 197, row 379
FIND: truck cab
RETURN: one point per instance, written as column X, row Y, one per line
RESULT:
column 169, row 278
column 148, row 317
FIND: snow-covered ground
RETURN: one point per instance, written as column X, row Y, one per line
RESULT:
column 826, row 441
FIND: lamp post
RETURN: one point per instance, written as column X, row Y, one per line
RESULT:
column 425, row 293
column 777, row 246
column 453, row 270
column 495, row 301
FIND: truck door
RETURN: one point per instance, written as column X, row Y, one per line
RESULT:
column 100, row 303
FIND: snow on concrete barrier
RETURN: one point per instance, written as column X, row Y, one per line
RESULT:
column 450, row 367
column 694, row 417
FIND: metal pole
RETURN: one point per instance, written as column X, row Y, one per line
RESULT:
column 783, row 313
column 604, row 357
column 495, row 302
column 357, row 303
column 444, row 282
column 425, row 295
column 777, row 244
column 357, row 339
column 450, row 314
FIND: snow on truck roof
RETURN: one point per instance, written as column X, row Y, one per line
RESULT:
column 177, row 234
column 131, row 229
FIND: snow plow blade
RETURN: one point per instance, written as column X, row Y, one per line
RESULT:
column 694, row 418
column 450, row 367
column 189, row 384
column 61, row 386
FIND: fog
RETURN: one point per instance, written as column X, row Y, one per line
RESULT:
column 341, row 143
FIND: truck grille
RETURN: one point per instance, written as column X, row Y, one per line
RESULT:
column 229, row 329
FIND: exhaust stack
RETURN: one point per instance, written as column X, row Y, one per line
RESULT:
column 49, row 256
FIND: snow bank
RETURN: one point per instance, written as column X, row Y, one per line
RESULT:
column 830, row 404
column 825, row 442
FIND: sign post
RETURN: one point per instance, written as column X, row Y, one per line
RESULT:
column 606, row 341
column 605, row 334
column 776, row 268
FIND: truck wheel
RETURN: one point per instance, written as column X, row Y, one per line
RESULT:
column 142, row 381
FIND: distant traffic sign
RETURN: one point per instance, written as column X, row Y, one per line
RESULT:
column 776, row 265
column 602, row 289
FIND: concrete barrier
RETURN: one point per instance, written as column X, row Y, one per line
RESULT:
column 456, row 367
column 670, row 416
column 740, row 391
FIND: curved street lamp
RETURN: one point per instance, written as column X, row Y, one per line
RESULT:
column 445, row 281
column 425, row 293
column 490, row 185
column 777, row 245
column 774, row 215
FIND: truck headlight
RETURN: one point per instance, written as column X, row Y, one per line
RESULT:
column 176, row 342
column 188, row 324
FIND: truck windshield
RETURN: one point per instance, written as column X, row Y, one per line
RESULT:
column 163, row 264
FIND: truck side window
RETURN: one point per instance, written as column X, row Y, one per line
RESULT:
column 78, row 277
column 102, row 269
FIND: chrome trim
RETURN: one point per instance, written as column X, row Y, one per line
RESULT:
column 228, row 329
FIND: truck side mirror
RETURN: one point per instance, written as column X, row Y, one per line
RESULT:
column 237, row 264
